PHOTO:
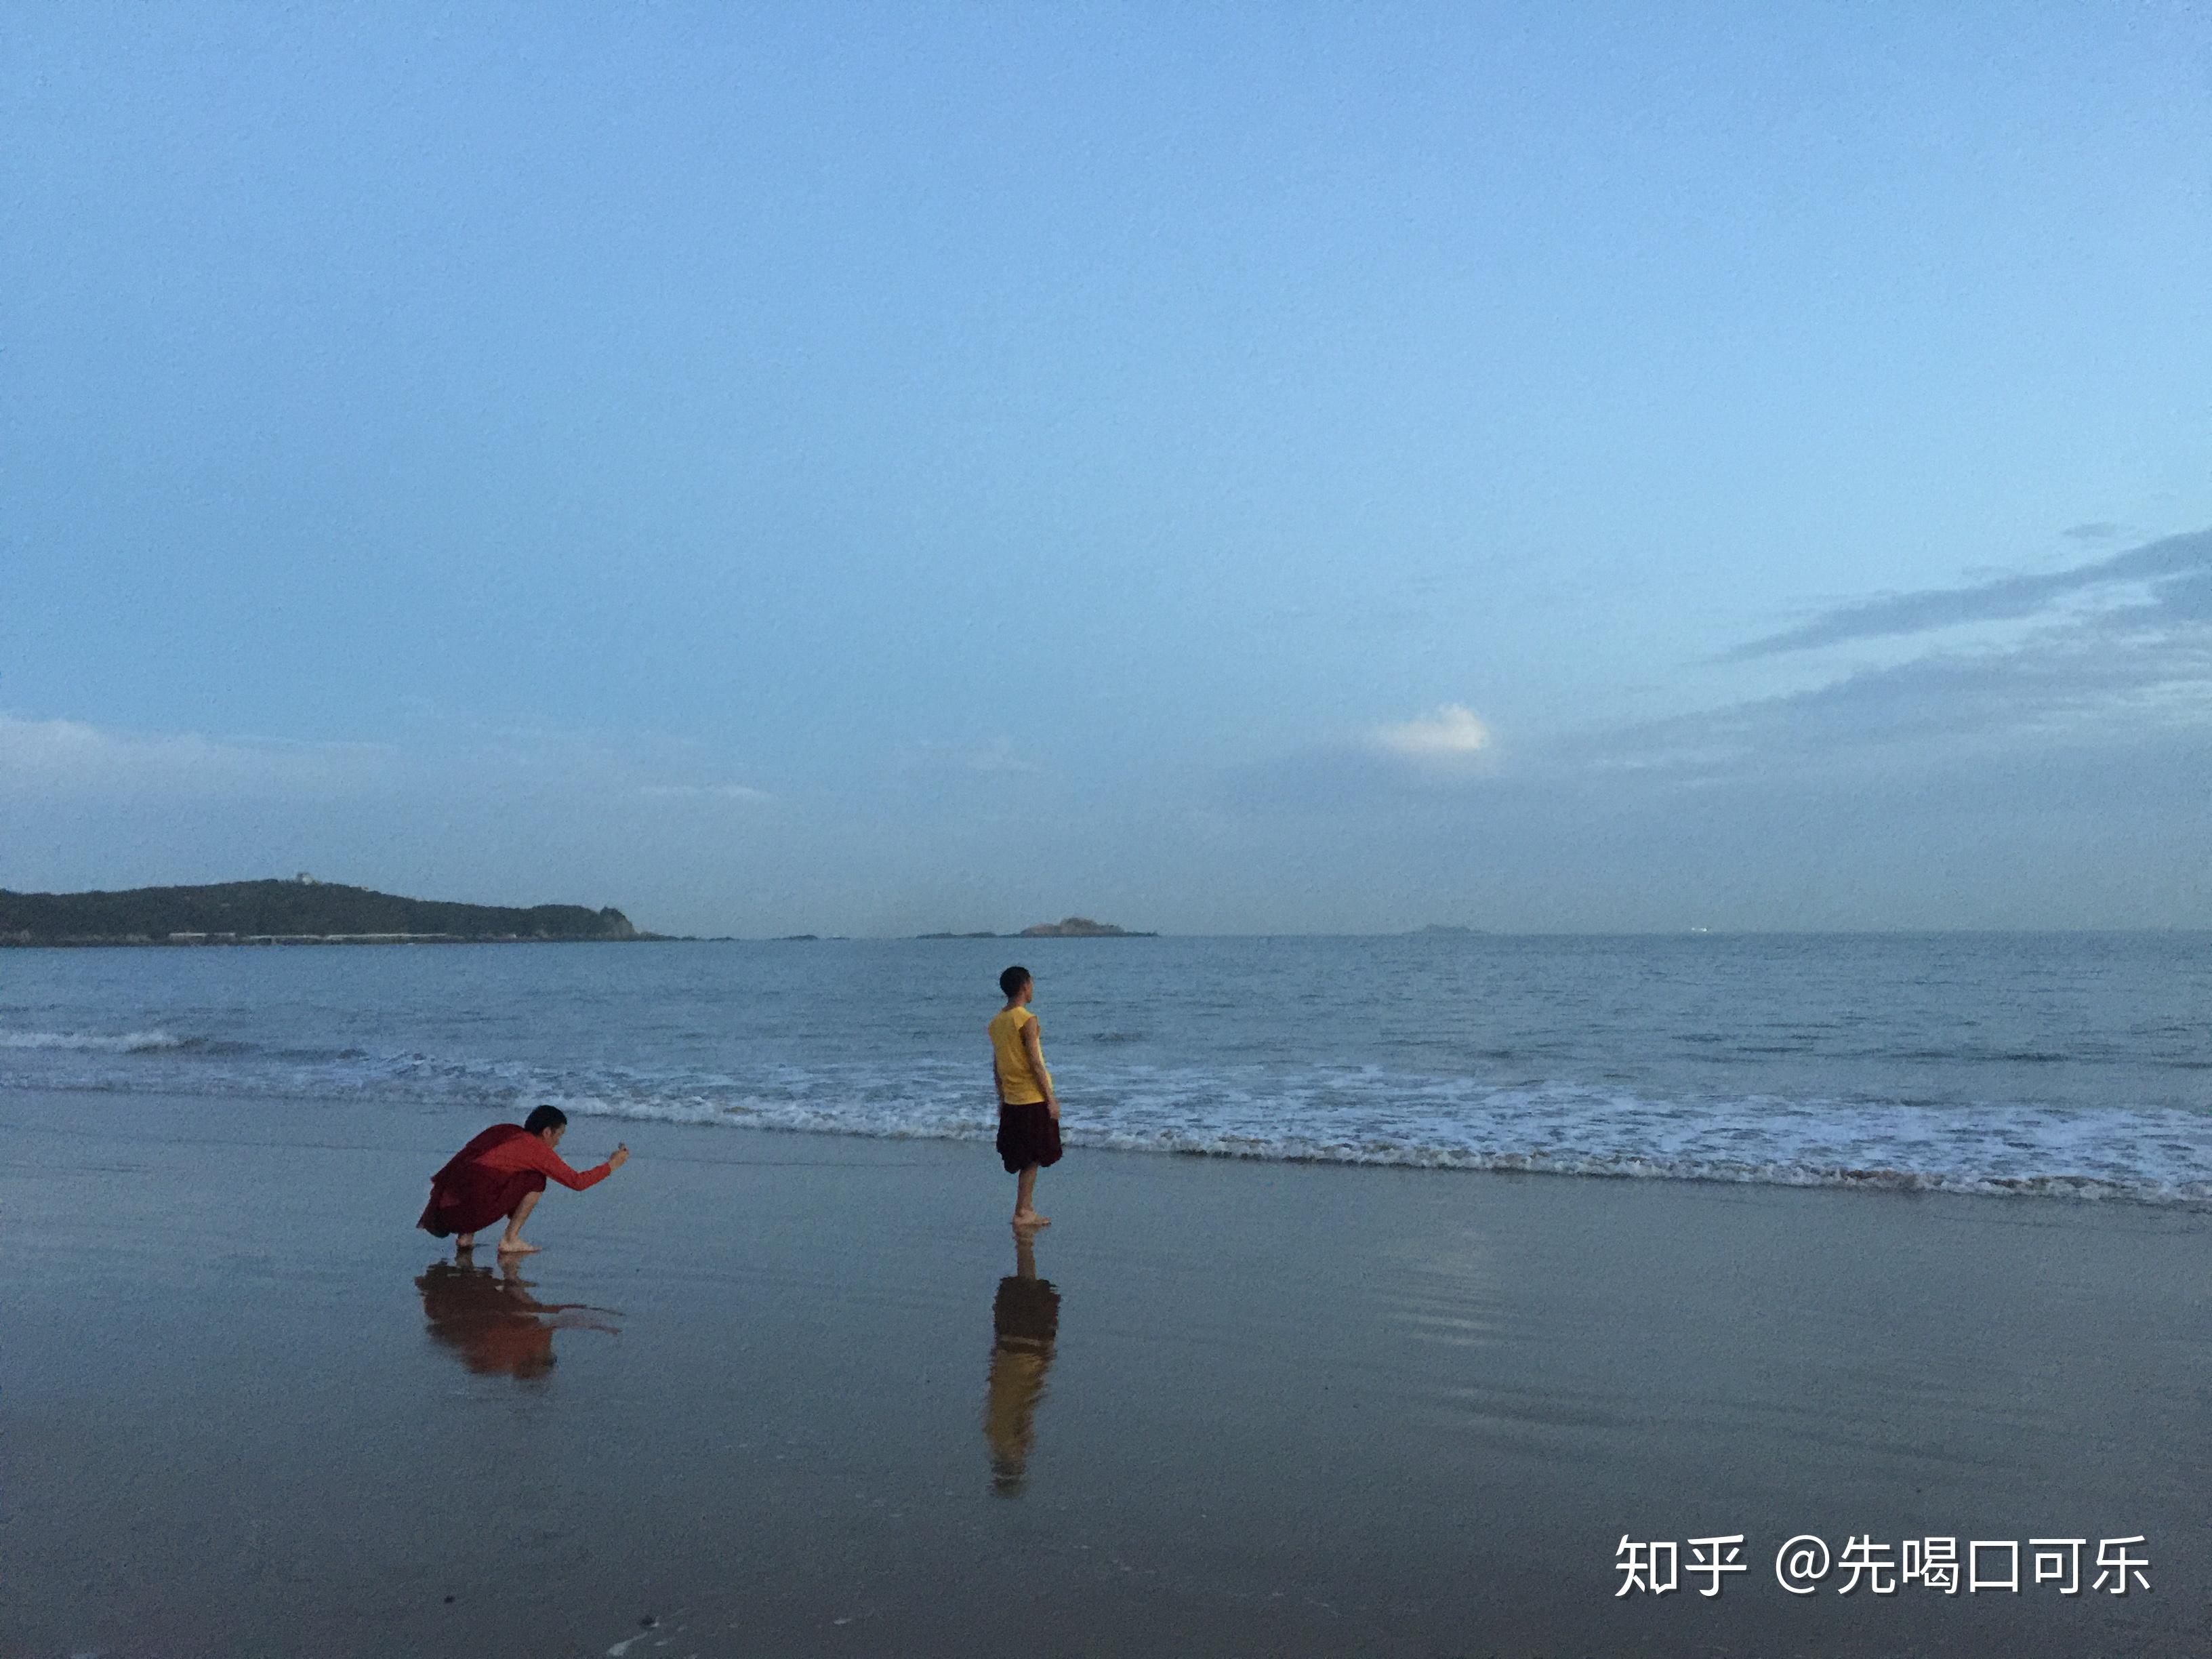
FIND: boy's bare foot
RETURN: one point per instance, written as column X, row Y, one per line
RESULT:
column 516, row 1247
column 463, row 1242
column 1032, row 1219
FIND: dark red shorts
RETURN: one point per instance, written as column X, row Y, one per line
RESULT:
column 1027, row 1135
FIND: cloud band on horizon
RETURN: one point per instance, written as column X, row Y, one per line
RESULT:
column 2168, row 562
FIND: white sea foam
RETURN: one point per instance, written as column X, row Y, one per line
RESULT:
column 1345, row 1114
column 101, row 1042
column 2159, row 1156
column 1369, row 1115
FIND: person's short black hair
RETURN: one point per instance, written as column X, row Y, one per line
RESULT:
column 1012, row 980
column 546, row 1117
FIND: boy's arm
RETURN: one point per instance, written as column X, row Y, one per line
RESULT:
column 1034, row 1045
column 546, row 1161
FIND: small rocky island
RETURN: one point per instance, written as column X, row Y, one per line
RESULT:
column 1080, row 928
column 1070, row 927
column 301, row 911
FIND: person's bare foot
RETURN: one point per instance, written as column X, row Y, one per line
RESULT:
column 463, row 1242
column 516, row 1247
column 1032, row 1219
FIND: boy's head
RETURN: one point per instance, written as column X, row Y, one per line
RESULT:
column 1014, row 981
column 545, row 1118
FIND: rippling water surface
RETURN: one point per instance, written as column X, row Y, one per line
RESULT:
column 2063, row 1065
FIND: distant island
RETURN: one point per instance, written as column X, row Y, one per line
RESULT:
column 1081, row 927
column 301, row 911
column 1070, row 927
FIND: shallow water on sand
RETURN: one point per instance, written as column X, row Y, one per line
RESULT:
column 798, row 1395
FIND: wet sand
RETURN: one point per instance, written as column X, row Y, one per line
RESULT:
column 770, row 1394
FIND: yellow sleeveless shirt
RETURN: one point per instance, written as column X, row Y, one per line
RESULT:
column 1017, row 1083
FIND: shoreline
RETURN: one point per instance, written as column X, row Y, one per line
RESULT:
column 1274, row 1411
column 2064, row 1188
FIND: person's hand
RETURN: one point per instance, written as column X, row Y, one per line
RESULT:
column 1054, row 1105
column 621, row 1158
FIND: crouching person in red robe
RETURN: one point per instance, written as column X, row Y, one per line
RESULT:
column 500, row 1173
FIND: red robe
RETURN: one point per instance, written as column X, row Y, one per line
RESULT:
column 493, row 1173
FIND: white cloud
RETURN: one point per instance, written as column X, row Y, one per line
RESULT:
column 53, row 760
column 999, row 756
column 1451, row 732
column 704, row 792
column 995, row 758
column 73, row 757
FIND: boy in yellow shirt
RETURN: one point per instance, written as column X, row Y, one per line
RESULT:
column 1029, row 1111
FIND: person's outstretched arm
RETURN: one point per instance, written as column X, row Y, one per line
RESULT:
column 550, row 1163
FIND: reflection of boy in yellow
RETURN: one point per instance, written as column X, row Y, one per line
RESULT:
column 1029, row 1111
column 1025, row 1322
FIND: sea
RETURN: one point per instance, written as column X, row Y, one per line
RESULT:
column 2040, row 1068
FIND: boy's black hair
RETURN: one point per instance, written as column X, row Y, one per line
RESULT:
column 1012, row 981
column 546, row 1117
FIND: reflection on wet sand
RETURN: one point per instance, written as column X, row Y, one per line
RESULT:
column 1025, row 1322
column 492, row 1322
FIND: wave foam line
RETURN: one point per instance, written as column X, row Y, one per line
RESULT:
column 2016, row 1177
column 1353, row 1115
column 99, row 1042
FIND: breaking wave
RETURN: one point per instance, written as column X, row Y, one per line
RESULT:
column 98, row 1043
column 1359, row 1115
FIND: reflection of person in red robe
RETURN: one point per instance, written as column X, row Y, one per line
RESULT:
column 496, row 1325
column 500, row 1173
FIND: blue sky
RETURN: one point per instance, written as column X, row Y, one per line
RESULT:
column 883, row 469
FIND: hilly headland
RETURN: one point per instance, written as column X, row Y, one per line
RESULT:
column 301, row 911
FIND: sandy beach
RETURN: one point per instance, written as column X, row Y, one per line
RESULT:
column 771, row 1393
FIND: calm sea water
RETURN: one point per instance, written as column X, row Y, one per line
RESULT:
column 2051, row 1065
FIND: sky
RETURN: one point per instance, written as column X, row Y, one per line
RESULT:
column 874, row 469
